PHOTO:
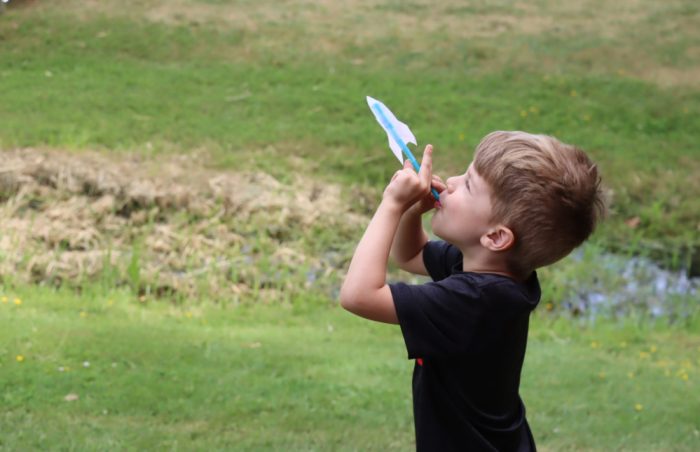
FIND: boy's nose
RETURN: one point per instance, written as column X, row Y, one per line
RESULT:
column 450, row 184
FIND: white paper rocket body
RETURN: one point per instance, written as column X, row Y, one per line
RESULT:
column 395, row 129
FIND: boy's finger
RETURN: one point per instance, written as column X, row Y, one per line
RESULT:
column 438, row 185
column 426, row 165
column 407, row 164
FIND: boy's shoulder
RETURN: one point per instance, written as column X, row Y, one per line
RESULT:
column 443, row 261
column 499, row 289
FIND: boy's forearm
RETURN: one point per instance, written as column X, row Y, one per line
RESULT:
column 410, row 237
column 367, row 271
column 364, row 291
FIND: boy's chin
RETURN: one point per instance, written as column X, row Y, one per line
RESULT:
column 436, row 226
column 437, row 232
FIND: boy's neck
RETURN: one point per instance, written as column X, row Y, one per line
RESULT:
column 482, row 260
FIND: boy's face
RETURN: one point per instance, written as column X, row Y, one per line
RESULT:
column 465, row 211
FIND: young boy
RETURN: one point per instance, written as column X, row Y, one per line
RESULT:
column 526, row 201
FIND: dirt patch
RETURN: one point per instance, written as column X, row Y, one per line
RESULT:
column 165, row 226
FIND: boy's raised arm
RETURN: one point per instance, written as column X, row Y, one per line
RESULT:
column 364, row 291
column 407, row 249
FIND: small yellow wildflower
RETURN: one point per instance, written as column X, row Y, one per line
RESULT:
column 110, row 302
column 534, row 109
column 4, row 299
column 643, row 355
column 653, row 349
column 523, row 113
column 18, row 301
column 630, row 374
column 19, row 358
column 684, row 377
column 549, row 306
column 586, row 118
column 83, row 314
column 601, row 375
column 461, row 137
column 638, row 407
column 188, row 314
column 595, row 344
column 620, row 72
column 573, row 93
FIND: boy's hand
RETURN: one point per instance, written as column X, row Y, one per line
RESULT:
column 407, row 188
column 428, row 201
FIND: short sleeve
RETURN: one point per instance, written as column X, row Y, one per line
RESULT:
column 441, row 259
column 439, row 320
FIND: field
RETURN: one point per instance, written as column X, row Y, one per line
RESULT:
column 103, row 371
column 182, row 185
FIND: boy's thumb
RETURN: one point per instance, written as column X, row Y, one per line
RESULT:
column 407, row 164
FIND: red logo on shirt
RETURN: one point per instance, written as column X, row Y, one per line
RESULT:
column 419, row 361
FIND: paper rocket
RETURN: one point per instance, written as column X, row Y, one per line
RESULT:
column 399, row 135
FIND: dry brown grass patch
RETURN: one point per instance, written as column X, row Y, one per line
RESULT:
column 69, row 218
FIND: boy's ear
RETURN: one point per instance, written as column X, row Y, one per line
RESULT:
column 498, row 238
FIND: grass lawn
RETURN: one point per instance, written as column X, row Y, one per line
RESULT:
column 280, row 87
column 307, row 376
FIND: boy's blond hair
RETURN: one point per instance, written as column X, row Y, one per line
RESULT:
column 547, row 192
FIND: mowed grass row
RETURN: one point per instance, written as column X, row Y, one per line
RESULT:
column 277, row 98
column 105, row 370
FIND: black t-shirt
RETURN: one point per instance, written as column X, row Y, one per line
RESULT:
column 467, row 332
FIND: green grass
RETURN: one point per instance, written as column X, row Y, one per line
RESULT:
column 112, row 79
column 308, row 375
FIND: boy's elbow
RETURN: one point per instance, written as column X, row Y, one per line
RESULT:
column 351, row 299
column 347, row 299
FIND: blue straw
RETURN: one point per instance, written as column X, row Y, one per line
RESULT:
column 407, row 152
